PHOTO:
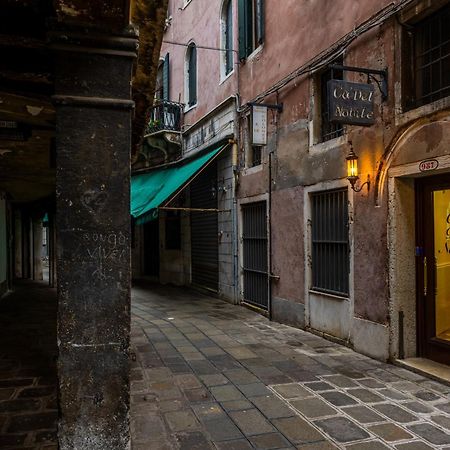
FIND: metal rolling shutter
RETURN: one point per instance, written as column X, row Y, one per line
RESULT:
column 204, row 238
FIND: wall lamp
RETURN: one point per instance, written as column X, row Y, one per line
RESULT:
column 352, row 171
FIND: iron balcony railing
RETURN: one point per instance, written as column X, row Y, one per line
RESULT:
column 165, row 116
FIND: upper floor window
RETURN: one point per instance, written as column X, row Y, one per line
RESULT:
column 227, row 37
column 162, row 80
column 251, row 26
column 428, row 44
column 329, row 130
column 191, row 75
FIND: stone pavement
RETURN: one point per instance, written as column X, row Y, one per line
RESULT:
column 209, row 375
column 28, row 409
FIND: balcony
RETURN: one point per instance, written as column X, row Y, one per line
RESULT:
column 165, row 117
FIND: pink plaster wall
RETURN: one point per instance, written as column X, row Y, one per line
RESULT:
column 198, row 22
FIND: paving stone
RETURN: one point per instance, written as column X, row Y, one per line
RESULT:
column 188, row 381
column 251, row 422
column 214, row 380
column 350, row 373
column 406, row 386
column 236, row 405
column 181, row 420
column 269, row 441
column 444, row 407
column 431, row 433
column 443, row 421
column 313, row 407
column 390, row 432
column 292, row 390
column 413, row 446
column 370, row 445
column 427, row 396
column 31, row 422
column 254, row 389
column 417, row 407
column 297, row 430
column 395, row 413
column 365, row 395
column 363, row 414
column 226, row 393
column 435, row 386
column 338, row 398
column 241, row 376
column 241, row 352
column 171, row 405
column 12, row 440
column 193, row 441
column 319, row 386
column 340, row 381
column 371, row 383
column 240, row 444
column 222, row 429
column 322, row 445
column 272, row 407
column 212, row 351
column 342, row 429
column 392, row 394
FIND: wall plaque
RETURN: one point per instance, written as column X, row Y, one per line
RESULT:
column 351, row 103
column 259, row 125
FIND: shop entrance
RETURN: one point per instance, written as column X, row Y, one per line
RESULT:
column 433, row 267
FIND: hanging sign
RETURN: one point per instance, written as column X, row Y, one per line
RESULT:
column 351, row 103
column 259, row 125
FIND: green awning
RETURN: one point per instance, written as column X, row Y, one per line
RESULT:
column 150, row 190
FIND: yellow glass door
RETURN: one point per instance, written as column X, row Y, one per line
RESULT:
column 441, row 213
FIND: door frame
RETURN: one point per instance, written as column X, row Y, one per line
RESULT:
column 428, row 345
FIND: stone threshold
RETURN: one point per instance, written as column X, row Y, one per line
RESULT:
column 426, row 367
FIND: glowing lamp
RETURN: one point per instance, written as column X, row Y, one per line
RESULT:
column 352, row 171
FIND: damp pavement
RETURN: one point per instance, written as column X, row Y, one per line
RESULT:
column 210, row 375
column 28, row 386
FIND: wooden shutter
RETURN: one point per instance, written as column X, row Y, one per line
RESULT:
column 229, row 38
column 259, row 22
column 165, row 79
column 193, row 76
column 242, row 21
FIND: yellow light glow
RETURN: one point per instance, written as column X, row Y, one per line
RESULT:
column 352, row 167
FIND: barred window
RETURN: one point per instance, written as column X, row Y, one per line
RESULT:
column 330, row 246
column 429, row 41
column 329, row 130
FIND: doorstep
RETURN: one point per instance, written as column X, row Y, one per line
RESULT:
column 437, row 371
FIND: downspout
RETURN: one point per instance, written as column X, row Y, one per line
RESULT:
column 234, row 215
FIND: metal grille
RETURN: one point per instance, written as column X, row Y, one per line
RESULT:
column 204, row 230
column 255, row 246
column 432, row 57
column 329, row 130
column 165, row 116
column 330, row 247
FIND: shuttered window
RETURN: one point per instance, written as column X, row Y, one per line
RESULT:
column 251, row 26
column 228, row 28
column 192, row 75
column 165, row 79
column 330, row 246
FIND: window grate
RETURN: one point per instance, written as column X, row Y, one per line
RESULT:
column 329, row 130
column 330, row 246
column 255, row 254
column 431, row 40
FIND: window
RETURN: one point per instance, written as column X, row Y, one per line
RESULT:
column 253, row 153
column 329, row 130
column 162, row 80
column 191, row 75
column 330, row 246
column 251, row 26
column 227, row 38
column 428, row 42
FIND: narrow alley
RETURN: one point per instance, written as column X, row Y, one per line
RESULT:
column 210, row 375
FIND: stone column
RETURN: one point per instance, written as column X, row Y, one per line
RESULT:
column 93, row 110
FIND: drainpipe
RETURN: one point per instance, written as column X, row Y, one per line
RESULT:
column 269, row 306
column 235, row 223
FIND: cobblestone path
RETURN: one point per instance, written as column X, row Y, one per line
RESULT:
column 209, row 375
column 28, row 409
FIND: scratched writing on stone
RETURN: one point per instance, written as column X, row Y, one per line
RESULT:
column 104, row 248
